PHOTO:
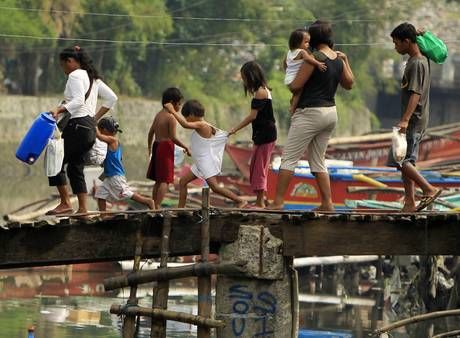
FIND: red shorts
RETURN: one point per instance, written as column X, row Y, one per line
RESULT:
column 161, row 166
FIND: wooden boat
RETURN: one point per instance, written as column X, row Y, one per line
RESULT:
column 440, row 145
column 352, row 183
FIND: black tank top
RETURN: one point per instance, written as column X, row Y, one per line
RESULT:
column 319, row 90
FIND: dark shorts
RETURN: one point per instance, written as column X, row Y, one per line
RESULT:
column 161, row 166
column 413, row 138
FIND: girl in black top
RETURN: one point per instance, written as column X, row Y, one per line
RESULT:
column 263, row 127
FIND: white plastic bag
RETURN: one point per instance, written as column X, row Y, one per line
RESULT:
column 97, row 153
column 54, row 155
column 399, row 145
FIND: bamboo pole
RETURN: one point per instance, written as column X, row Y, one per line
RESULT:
column 129, row 322
column 204, row 282
column 191, row 270
column 294, row 298
column 416, row 319
column 448, row 334
column 166, row 315
column 161, row 290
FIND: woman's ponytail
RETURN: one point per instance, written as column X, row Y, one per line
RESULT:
column 83, row 59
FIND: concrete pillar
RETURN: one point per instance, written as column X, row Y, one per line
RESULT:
column 258, row 304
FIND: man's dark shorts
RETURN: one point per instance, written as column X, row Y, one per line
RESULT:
column 413, row 138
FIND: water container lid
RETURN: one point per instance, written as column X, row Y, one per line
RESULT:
column 47, row 115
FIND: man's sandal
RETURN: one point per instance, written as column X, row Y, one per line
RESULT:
column 426, row 201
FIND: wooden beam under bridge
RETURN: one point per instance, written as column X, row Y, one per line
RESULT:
column 304, row 234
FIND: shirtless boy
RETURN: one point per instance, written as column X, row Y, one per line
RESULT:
column 161, row 152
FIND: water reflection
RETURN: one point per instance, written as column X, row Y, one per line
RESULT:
column 69, row 301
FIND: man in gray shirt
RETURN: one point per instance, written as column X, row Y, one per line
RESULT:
column 415, row 104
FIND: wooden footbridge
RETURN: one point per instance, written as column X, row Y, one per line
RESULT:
column 256, row 284
column 68, row 240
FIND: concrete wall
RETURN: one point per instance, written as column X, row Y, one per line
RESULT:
column 18, row 112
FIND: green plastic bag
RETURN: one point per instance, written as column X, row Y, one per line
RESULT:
column 432, row 47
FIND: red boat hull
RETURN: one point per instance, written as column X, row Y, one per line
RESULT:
column 303, row 192
column 434, row 150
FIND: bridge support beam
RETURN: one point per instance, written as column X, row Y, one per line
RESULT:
column 262, row 302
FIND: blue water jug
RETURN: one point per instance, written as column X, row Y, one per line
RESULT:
column 36, row 138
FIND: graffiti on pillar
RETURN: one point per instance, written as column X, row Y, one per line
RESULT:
column 262, row 303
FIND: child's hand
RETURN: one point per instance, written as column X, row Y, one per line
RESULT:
column 420, row 31
column 231, row 132
column 321, row 66
column 187, row 151
column 169, row 107
column 341, row 55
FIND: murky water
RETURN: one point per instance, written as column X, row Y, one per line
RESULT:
column 69, row 301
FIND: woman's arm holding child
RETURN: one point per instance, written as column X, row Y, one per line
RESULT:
column 301, row 78
column 347, row 78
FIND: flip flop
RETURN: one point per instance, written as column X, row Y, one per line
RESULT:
column 59, row 212
column 426, row 201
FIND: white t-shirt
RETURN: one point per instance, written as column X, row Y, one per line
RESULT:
column 74, row 94
column 292, row 66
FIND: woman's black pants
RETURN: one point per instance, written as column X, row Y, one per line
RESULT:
column 79, row 136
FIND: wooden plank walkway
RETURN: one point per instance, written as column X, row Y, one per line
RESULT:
column 69, row 240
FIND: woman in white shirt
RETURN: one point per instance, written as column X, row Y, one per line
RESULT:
column 80, row 99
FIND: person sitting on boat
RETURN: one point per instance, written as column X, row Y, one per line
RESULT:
column 114, row 188
column 207, row 145
column 316, row 115
column 415, row 105
column 263, row 127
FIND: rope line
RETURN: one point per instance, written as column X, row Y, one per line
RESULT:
column 150, row 16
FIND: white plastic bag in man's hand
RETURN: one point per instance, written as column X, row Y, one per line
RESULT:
column 54, row 155
column 399, row 145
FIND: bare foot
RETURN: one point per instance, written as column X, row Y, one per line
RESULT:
column 62, row 208
column 273, row 206
column 241, row 204
column 409, row 208
column 431, row 192
column 151, row 204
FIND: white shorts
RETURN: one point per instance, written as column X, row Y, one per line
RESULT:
column 114, row 189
